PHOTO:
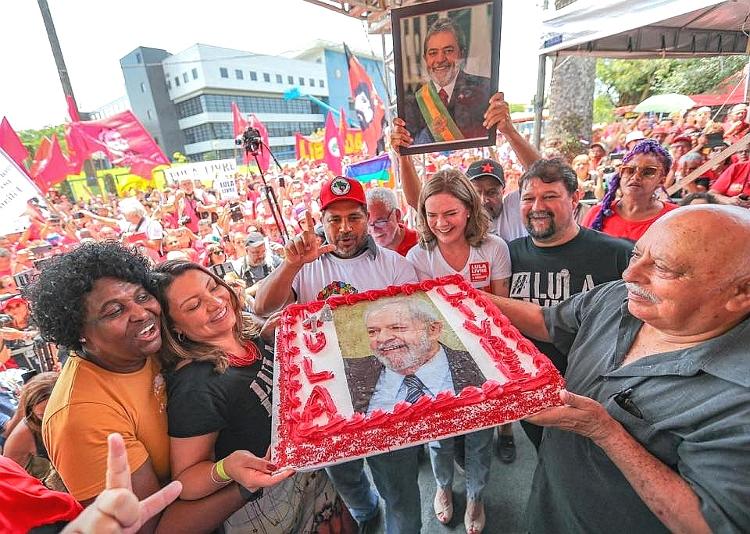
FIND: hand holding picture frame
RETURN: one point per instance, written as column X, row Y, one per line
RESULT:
column 447, row 56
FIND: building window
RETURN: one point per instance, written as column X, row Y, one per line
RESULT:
column 321, row 83
column 169, row 85
column 239, row 74
column 279, row 79
column 190, row 107
column 290, row 79
column 148, row 114
column 253, row 76
column 301, row 80
column 138, row 58
column 185, row 77
column 195, row 74
column 176, row 81
column 312, row 82
column 143, row 87
column 223, row 72
column 338, row 73
column 266, row 77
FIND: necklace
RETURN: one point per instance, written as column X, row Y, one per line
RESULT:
column 248, row 358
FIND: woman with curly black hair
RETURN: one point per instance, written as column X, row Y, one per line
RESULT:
column 94, row 301
column 641, row 175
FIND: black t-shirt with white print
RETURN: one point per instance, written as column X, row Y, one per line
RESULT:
column 549, row 275
column 235, row 403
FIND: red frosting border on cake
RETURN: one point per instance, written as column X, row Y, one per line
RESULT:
column 302, row 443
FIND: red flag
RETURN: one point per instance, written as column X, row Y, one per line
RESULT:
column 332, row 146
column 367, row 103
column 122, row 138
column 50, row 166
column 343, row 127
column 12, row 145
column 72, row 108
column 240, row 125
column 76, row 149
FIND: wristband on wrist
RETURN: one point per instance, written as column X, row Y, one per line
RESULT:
column 220, row 471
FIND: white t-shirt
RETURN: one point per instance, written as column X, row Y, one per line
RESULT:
column 329, row 275
column 151, row 227
column 487, row 262
column 509, row 225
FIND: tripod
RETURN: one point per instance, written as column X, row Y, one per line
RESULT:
column 273, row 203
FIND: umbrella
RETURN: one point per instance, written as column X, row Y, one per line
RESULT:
column 665, row 103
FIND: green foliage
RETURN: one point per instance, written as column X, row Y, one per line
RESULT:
column 604, row 109
column 632, row 81
column 33, row 138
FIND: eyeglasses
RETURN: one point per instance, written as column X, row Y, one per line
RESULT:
column 382, row 223
column 645, row 172
column 217, row 252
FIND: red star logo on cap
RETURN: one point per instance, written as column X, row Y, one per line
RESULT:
column 487, row 167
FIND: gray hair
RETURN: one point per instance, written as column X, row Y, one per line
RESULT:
column 445, row 25
column 383, row 195
column 418, row 308
column 691, row 156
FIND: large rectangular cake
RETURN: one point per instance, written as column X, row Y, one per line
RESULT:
column 366, row 373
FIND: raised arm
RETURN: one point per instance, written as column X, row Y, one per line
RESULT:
column 498, row 115
column 275, row 291
column 410, row 181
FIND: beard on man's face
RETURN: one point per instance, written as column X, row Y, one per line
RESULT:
column 541, row 224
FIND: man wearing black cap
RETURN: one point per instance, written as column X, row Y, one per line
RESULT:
column 350, row 262
column 488, row 179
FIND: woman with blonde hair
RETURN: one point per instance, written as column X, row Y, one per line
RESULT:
column 454, row 239
column 219, row 378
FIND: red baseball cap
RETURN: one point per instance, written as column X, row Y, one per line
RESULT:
column 341, row 188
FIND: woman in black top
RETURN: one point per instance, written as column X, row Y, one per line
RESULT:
column 219, row 387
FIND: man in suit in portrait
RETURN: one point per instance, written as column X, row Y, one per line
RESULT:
column 451, row 105
column 408, row 360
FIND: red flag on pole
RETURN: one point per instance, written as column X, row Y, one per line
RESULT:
column 72, row 109
column 50, row 166
column 367, row 103
column 241, row 124
column 122, row 138
column 12, row 145
column 332, row 146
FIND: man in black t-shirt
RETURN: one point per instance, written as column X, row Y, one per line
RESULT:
column 558, row 258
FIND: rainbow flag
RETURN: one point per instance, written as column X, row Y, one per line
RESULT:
column 378, row 168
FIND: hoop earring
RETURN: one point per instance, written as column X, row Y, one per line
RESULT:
column 180, row 337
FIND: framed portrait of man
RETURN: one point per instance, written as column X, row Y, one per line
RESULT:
column 446, row 56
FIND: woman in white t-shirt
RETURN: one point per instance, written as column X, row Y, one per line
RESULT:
column 454, row 239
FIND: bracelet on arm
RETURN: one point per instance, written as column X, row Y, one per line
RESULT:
column 223, row 477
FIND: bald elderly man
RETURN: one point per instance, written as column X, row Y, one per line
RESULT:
column 654, row 431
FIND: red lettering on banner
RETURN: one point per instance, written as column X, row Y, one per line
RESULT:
column 479, row 272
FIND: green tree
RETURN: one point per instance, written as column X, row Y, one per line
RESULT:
column 32, row 138
column 630, row 81
column 604, row 109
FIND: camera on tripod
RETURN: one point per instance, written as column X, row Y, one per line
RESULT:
column 250, row 140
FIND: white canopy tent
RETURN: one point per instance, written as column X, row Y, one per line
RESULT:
column 639, row 29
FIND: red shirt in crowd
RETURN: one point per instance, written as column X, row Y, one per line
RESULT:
column 733, row 181
column 410, row 239
column 25, row 503
column 617, row 226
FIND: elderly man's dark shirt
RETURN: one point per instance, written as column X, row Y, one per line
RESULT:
column 694, row 407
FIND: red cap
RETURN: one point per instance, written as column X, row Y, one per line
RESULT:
column 341, row 188
column 682, row 139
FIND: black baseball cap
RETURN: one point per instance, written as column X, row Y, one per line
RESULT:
column 486, row 167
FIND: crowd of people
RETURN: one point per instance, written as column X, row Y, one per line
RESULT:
column 157, row 313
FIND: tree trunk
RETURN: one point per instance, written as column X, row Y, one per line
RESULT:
column 571, row 101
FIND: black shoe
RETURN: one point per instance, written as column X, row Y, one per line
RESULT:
column 370, row 526
column 506, row 449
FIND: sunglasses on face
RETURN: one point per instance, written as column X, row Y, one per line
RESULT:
column 645, row 172
column 382, row 223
